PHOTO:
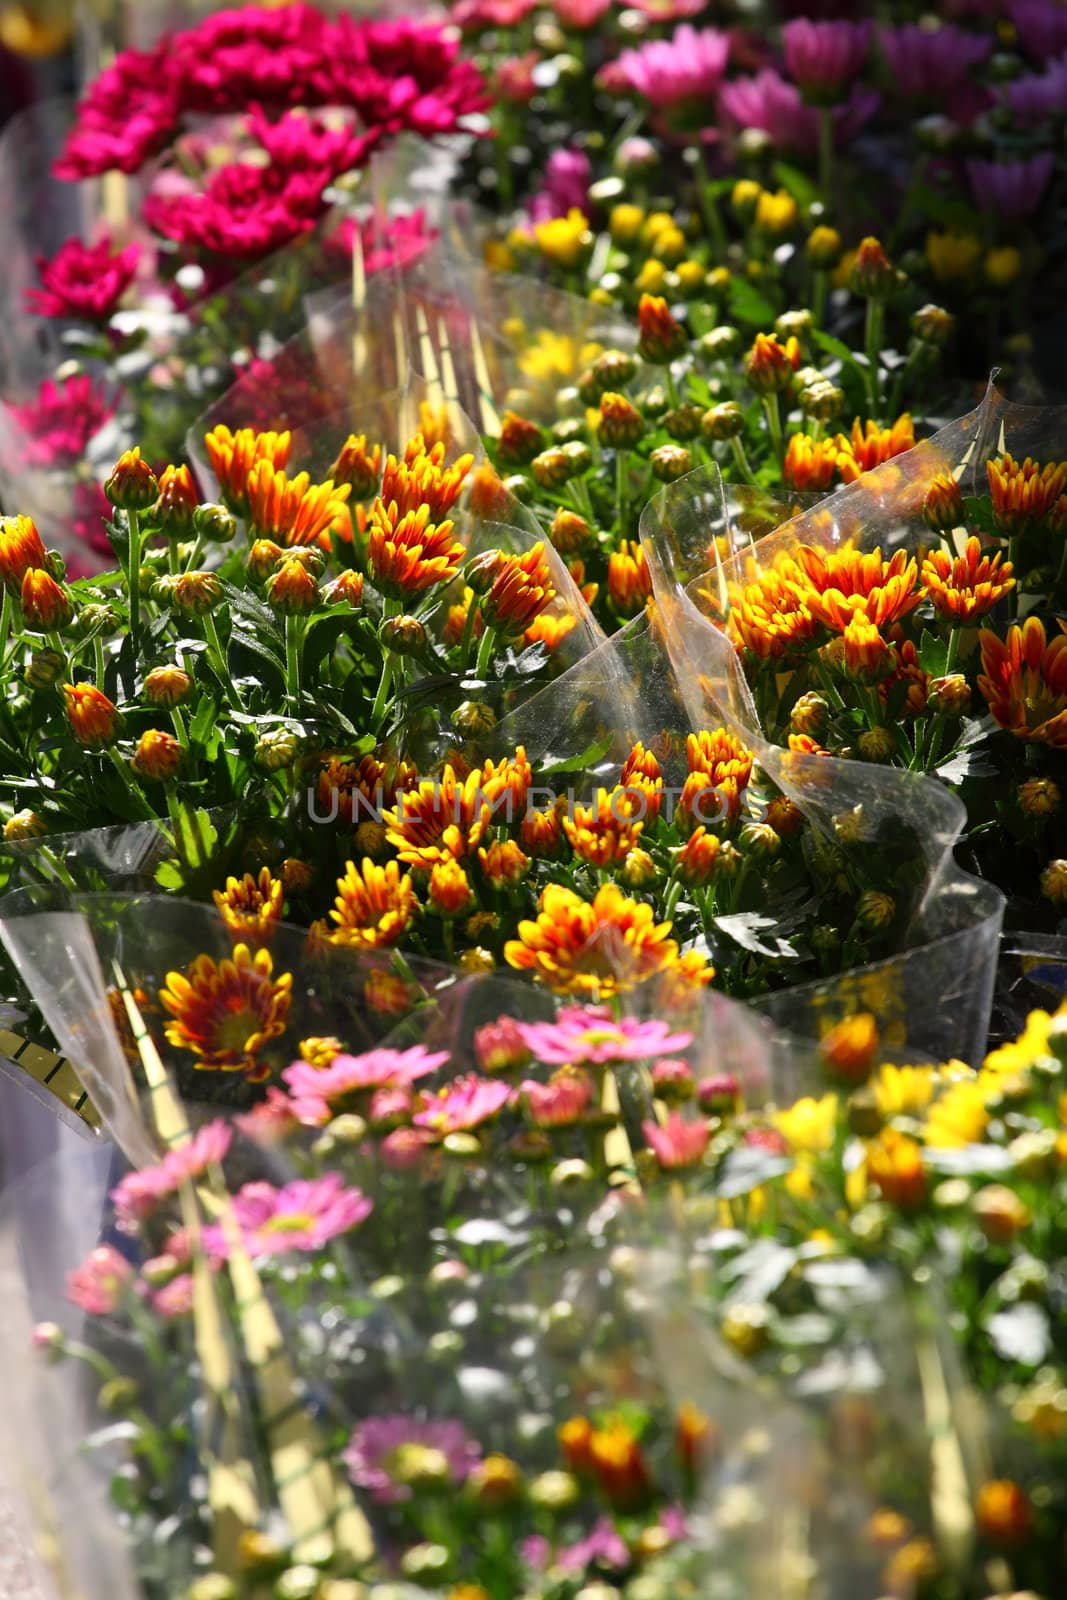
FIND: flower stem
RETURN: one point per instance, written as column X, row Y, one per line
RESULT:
column 621, row 476
column 820, row 286
column 741, row 459
column 218, row 655
column 873, row 346
column 468, row 632
column 826, row 153
column 485, row 651
column 382, row 697
column 709, row 209
column 293, row 631
column 774, row 424
column 133, row 578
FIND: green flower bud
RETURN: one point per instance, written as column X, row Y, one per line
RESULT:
column 117, row 1397
column 45, row 669
column 277, row 749
column 683, row 422
column 214, row 523
column 404, row 635
column 670, row 462
column 472, row 718
column 724, row 421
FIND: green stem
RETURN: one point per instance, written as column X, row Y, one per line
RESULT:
column 485, row 652
column 820, row 288
column 873, row 346
column 221, row 664
column 382, row 697
column 293, row 634
column 774, row 424
column 826, row 153
column 741, row 459
column 179, row 727
column 98, row 659
column 133, row 579
column 709, row 209
column 468, row 633
column 125, row 773
column 621, row 476
column 7, row 607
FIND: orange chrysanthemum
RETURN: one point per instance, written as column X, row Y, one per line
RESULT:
column 225, row 1012
column 720, row 763
column 865, row 448
column 357, row 466
column 549, row 630
column 541, row 832
column 642, row 773
column 294, row 511
column 867, row 655
column 21, row 551
column 1023, row 492
column 93, row 718
column 841, row 584
column 233, row 455
column 967, row 586
column 374, row 906
column 597, row 948
column 810, row 464
column 407, row 554
column 1024, row 681
column 771, row 617
column 251, row 907
column 604, row 833
column 508, row 782
column 355, row 791
column 422, row 479
column 629, row 580
column 906, row 669
column 442, row 817
column 521, row 589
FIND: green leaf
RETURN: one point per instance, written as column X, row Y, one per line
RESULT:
column 798, row 184
column 744, row 928
column 248, row 641
column 933, row 654
column 749, row 306
column 203, row 722
column 589, row 757
column 837, row 347
column 324, row 633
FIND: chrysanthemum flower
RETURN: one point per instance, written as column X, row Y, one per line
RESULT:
column 58, row 423
column 895, row 1167
column 226, row 1012
column 1023, row 492
column 717, row 761
column 594, row 948
column 139, row 1192
column 158, row 756
column 98, row 1285
column 503, row 863
column 810, row 464
column 560, row 1102
column 695, row 861
column 551, row 630
column 304, row 1215
column 867, row 656
column 93, row 718
column 347, row 789
column 422, row 479
column 520, row 591
column 604, row 833
column 294, row 511
column 1024, row 681
column 442, row 817
column 866, row 448
column 464, row 1104
column 374, row 906
column 678, row 1142
column 251, row 907
column 661, row 337
column 320, row 1092
column 841, row 584
column 450, row 893
column 407, row 554
column 233, row 456
column 590, row 1036
column 45, row 603
column 770, row 617
column 770, row 364
column 540, row 832
column 84, row 282
column 357, row 466
column 629, row 580
column 389, row 1455
column 21, row 551
column 967, row 586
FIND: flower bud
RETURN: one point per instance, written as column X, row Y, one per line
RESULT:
column 263, row 556
column 943, row 507
column 770, row 365
column 276, row 749
column 850, row 1047
column 823, row 248
column 495, row 1482
column 875, row 910
column 1000, row 1213
column 45, row 669
column 177, row 501
column 744, row 197
column 570, row 533
column 719, row 1095
column 473, row 717
column 552, row 468
column 45, row 605
column 24, row 825
column 167, row 686
column 1003, row 1512
column 158, row 756
column 670, row 462
column 259, row 1552
column 621, row 424
column 661, row 338
column 132, row 485
column 724, row 421
column 873, row 275
column 345, row 589
column 292, row 589
column 721, row 342
column 406, row 635
column 93, row 718
column 214, row 524
column 746, row 1327
column 196, row 593
column 759, row 839
column 822, row 400
column 932, row 324
column 951, row 695
column 554, row 1490
column 683, row 422
column 794, row 324
column 117, row 1397
column 357, row 466
column 612, row 370
column 297, row 1583
column 876, row 744
column 1039, row 797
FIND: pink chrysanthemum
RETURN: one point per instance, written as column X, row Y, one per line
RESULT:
column 129, row 113
column 464, row 1104
column 668, row 72
column 560, row 1102
column 98, row 1285
column 83, row 282
column 823, row 58
column 591, row 1036
column 383, row 1450
column 304, row 1215
column 677, row 1143
column 138, row 1193
column 58, row 424
column 767, row 101
column 319, row 1092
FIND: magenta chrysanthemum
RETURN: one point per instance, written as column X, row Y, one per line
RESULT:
column 767, row 101
column 305, row 1215
column 100, row 1282
column 581, row 1036
column 666, row 72
column 58, row 424
column 383, row 1451
column 135, row 1195
column 84, row 282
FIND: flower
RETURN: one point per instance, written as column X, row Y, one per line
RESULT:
column 465, row 1103
column 60, row 421
column 810, row 464
column 93, row 718
column 808, row 1126
column 225, row 1012
column 695, row 861
column 952, row 255
column 678, row 1142
column 590, row 1036
column 503, row 863
column 966, row 586
column 158, row 756
column 929, row 63
column 718, row 762
column 21, row 551
column 604, row 833
column 617, row 1463
column 304, row 1215
column 769, row 102
column 374, row 905
column 565, row 189
column 895, row 1167
column 233, row 456
column 849, row 1047
column 603, row 1546
column 408, row 554
column 167, row 686
column 1024, row 493
column 560, row 1102
column 1003, row 1512
column 98, row 1285
column 293, row 510
column 381, row 1452
column 1041, row 26
column 357, row 467
column 450, row 893
column 129, row 112
column 866, row 448
column 629, row 580
column 770, row 617
column 443, row 816
column 522, row 587
column 603, row 946
column 500, row 1047
column 823, row 58
column 958, row 1116
column 1024, row 682
column 689, row 66
column 292, row 588
column 251, row 907
column 1012, row 190
column 83, row 282
column 661, row 337
column 1037, row 96
column 564, row 240
column 319, row 1092
column 139, row 1192
column 841, row 584
column 45, row 603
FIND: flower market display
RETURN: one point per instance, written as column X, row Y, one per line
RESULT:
column 532, row 779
